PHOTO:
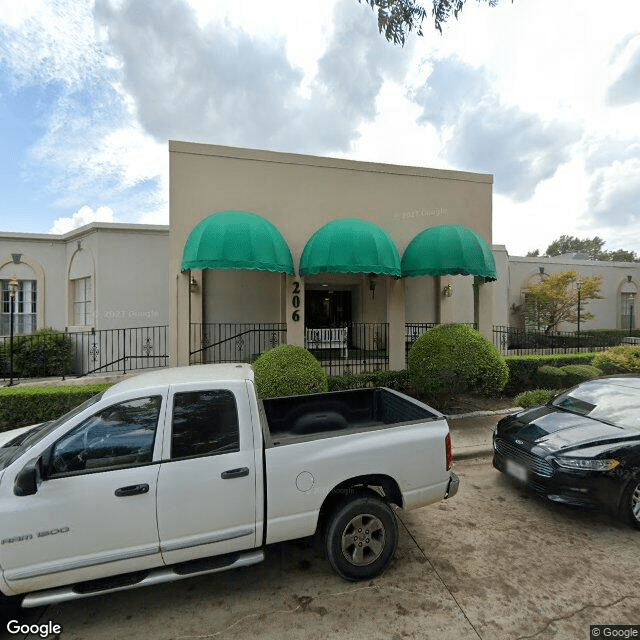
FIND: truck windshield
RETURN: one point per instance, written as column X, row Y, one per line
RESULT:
column 14, row 448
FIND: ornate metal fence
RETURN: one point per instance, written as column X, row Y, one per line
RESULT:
column 518, row 341
column 121, row 350
column 366, row 348
column 56, row 353
column 233, row 342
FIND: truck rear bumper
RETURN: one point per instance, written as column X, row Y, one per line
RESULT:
column 452, row 487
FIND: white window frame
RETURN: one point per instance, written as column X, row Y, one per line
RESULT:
column 82, row 301
column 25, row 318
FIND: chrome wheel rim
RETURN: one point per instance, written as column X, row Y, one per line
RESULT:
column 635, row 503
column 363, row 540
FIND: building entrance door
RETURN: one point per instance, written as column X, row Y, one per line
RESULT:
column 327, row 308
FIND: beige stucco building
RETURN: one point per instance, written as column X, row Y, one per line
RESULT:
column 300, row 195
column 615, row 309
column 101, row 276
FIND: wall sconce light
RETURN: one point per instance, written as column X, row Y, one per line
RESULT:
column 541, row 269
column 372, row 284
column 193, row 284
column 447, row 292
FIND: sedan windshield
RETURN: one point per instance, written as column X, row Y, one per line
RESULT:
column 14, row 448
column 610, row 401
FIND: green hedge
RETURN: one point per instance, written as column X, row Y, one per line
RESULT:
column 550, row 377
column 22, row 406
column 398, row 380
column 452, row 358
column 624, row 359
column 288, row 370
column 534, row 398
column 523, row 369
column 41, row 354
column 577, row 373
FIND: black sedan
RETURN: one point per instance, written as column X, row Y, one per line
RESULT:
column 582, row 448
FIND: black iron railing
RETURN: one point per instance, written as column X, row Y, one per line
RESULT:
column 119, row 350
column 233, row 342
column 355, row 347
column 519, row 341
column 62, row 353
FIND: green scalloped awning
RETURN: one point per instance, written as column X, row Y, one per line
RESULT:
column 448, row 249
column 350, row 245
column 236, row 240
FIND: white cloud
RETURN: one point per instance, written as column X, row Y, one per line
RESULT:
column 626, row 87
column 82, row 216
column 50, row 42
column 519, row 148
column 615, row 194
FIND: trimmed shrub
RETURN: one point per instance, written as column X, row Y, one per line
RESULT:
column 550, row 377
column 457, row 358
column 288, row 370
column 534, row 398
column 398, row 380
column 523, row 369
column 44, row 353
column 577, row 373
column 22, row 406
column 625, row 359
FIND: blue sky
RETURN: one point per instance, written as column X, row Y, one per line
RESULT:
column 544, row 95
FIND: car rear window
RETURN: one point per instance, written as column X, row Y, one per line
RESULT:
column 605, row 400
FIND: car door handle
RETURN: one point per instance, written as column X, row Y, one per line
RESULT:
column 235, row 473
column 132, row 490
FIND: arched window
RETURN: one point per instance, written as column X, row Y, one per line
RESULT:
column 25, row 317
column 81, row 289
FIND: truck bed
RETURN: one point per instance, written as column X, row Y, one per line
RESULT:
column 340, row 412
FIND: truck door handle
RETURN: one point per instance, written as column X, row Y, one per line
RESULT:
column 132, row 490
column 235, row 473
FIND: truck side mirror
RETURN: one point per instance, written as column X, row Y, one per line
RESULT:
column 26, row 482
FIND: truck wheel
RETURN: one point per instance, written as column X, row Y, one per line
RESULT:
column 631, row 504
column 8, row 608
column 361, row 537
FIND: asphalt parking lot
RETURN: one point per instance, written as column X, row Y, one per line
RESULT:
column 494, row 562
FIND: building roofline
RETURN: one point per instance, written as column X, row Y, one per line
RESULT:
column 563, row 260
column 278, row 157
column 86, row 229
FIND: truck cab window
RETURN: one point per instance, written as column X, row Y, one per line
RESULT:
column 121, row 435
column 204, row 423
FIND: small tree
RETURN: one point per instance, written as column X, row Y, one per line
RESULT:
column 555, row 300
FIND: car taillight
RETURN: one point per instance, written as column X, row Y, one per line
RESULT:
column 447, row 443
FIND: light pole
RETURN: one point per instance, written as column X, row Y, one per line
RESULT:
column 579, row 287
column 13, row 289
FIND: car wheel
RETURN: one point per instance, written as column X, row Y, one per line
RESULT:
column 631, row 504
column 361, row 537
column 8, row 608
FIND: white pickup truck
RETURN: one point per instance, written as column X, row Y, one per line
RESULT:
column 183, row 471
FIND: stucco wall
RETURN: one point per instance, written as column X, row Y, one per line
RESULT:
column 132, row 278
column 128, row 265
column 43, row 259
column 299, row 194
column 525, row 271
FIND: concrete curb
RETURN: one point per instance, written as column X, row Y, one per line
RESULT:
column 472, row 452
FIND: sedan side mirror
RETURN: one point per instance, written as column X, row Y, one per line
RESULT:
column 26, row 482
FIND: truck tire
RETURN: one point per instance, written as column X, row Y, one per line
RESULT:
column 361, row 537
column 630, row 506
column 8, row 608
